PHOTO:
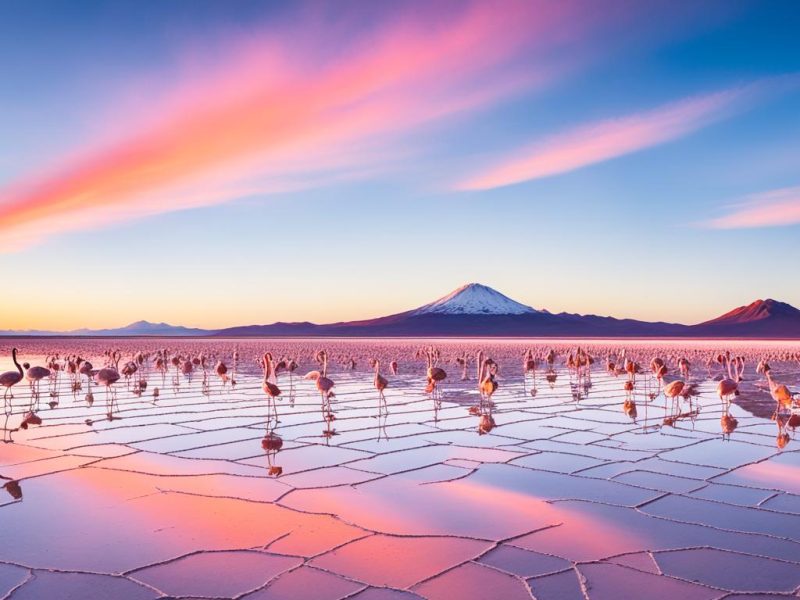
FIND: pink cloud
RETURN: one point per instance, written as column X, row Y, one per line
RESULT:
column 604, row 140
column 287, row 109
column 775, row 208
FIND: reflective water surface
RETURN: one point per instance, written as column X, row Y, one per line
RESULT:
column 575, row 475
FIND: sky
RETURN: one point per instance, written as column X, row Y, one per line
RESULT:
column 213, row 164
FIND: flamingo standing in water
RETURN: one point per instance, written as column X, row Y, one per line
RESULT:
column 269, row 385
column 435, row 375
column 108, row 376
column 85, row 369
column 222, row 372
column 674, row 388
column 780, row 393
column 11, row 378
column 324, row 385
column 728, row 386
column 684, row 366
column 34, row 375
column 488, row 385
column 381, row 383
column 529, row 364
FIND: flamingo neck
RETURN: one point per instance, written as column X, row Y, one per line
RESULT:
column 267, row 368
column 16, row 364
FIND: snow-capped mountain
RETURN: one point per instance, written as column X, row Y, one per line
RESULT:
column 476, row 310
column 475, row 299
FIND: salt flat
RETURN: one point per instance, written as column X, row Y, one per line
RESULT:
column 205, row 492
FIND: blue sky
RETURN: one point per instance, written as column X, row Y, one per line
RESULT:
column 215, row 164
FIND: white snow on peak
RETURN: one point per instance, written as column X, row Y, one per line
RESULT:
column 475, row 299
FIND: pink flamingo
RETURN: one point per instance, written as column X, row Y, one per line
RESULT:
column 269, row 384
column 11, row 378
column 381, row 383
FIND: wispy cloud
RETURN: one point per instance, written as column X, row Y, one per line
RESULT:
column 604, row 140
column 283, row 110
column 775, row 208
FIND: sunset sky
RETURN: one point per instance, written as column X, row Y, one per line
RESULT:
column 223, row 163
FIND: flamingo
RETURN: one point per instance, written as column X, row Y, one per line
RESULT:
column 11, row 378
column 550, row 357
column 684, row 366
column 674, row 388
column 34, row 375
column 85, row 369
column 631, row 368
column 291, row 367
column 269, row 384
column 488, row 385
column 324, row 384
column 529, row 365
column 108, row 376
column 727, row 388
column 222, row 372
column 161, row 365
column 435, row 374
column 779, row 392
column 381, row 383
column 463, row 361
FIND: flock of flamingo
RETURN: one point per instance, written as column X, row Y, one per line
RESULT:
column 657, row 378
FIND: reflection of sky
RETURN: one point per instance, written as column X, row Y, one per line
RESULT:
column 210, row 165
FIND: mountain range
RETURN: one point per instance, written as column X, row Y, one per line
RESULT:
column 476, row 310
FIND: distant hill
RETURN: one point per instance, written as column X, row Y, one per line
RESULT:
column 762, row 318
column 139, row 328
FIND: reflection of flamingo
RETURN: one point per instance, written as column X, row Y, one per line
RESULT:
column 727, row 422
column 782, row 439
column 271, row 444
column 629, row 408
column 11, row 378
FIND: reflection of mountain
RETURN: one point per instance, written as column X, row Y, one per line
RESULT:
column 476, row 310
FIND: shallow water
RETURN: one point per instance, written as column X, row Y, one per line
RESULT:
column 565, row 496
